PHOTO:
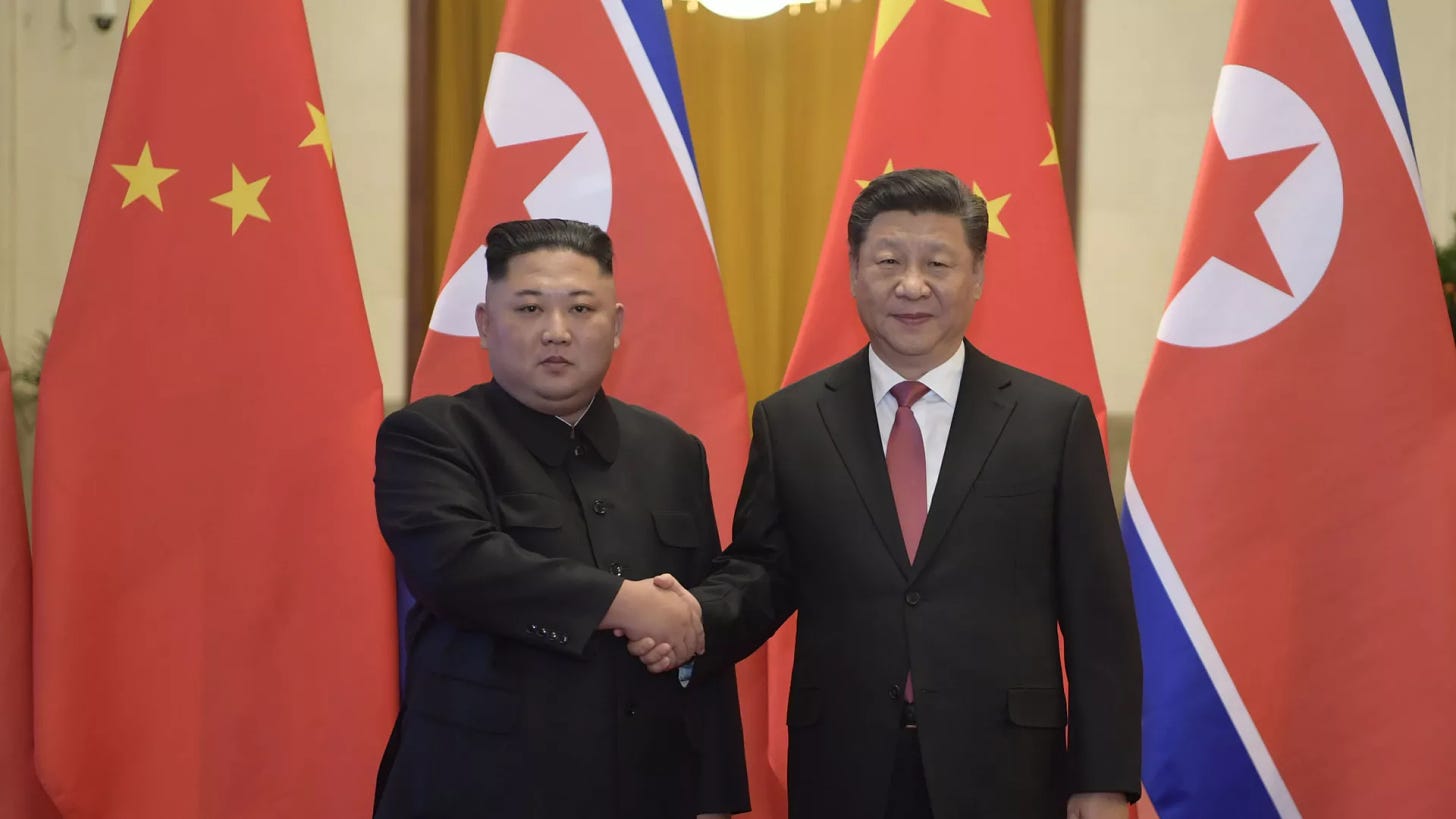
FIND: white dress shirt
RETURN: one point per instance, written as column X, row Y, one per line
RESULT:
column 933, row 412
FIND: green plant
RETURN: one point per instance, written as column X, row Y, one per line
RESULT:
column 1446, row 261
column 25, row 382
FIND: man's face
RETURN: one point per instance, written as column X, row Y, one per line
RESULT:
column 551, row 324
column 915, row 282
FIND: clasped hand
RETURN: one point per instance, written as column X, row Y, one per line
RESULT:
column 662, row 622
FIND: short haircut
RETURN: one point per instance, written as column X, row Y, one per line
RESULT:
column 918, row 190
column 508, row 240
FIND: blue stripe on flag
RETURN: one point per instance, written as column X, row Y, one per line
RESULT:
column 1375, row 19
column 1194, row 764
column 650, row 21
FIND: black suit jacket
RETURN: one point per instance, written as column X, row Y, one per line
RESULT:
column 514, row 533
column 1021, row 538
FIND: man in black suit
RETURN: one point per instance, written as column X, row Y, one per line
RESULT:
column 934, row 516
column 528, row 516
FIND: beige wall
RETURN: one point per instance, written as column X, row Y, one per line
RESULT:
column 1150, row 68
column 55, row 76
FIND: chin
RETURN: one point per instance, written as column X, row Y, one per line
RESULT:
column 910, row 347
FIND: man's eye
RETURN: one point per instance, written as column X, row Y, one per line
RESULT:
column 528, row 308
column 581, row 308
column 887, row 261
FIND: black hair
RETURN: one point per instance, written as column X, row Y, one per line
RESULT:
column 918, row 190
column 508, row 240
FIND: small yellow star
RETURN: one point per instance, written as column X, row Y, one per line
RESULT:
column 320, row 134
column 243, row 199
column 1051, row 158
column 892, row 13
column 993, row 210
column 138, row 8
column 144, row 179
column 889, row 166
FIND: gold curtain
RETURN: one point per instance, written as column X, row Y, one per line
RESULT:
column 769, row 105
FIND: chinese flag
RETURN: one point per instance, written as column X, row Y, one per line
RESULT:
column 956, row 84
column 21, row 796
column 214, row 631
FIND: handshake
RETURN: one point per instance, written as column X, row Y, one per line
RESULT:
column 661, row 620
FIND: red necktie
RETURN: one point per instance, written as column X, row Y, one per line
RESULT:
column 905, row 458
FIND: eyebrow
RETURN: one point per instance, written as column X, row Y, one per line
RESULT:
column 531, row 292
column 893, row 243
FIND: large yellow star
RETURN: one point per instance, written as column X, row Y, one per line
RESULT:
column 320, row 134
column 138, row 8
column 889, row 166
column 892, row 13
column 243, row 199
column 1052, row 158
column 144, row 179
column 993, row 210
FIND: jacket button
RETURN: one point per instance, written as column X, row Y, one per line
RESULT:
column 616, row 569
column 577, row 451
column 631, row 710
column 895, row 693
column 913, row 598
column 600, row 507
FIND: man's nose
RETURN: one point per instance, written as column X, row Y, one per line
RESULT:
column 557, row 330
column 912, row 284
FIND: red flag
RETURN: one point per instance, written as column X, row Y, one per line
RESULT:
column 214, row 605
column 957, row 84
column 583, row 119
column 1289, row 514
column 579, row 123
column 21, row 796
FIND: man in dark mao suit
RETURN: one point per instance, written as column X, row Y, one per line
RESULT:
column 934, row 516
column 528, row 516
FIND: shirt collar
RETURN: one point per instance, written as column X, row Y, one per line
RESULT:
column 548, row 437
column 944, row 381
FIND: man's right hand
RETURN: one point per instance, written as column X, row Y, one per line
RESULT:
column 656, row 610
column 659, row 656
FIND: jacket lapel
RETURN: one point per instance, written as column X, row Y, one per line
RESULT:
column 981, row 412
column 849, row 415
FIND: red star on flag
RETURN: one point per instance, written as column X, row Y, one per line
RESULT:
column 517, row 170
column 1229, row 193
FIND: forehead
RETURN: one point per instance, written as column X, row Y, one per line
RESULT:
column 904, row 227
column 553, row 270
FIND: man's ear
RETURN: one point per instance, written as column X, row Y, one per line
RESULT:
column 482, row 325
column 617, row 319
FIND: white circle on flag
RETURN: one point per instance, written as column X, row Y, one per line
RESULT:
column 526, row 102
column 1254, row 113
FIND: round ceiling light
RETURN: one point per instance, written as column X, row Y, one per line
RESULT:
column 744, row 9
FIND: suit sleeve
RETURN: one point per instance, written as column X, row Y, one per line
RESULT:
column 454, row 556
column 751, row 590
column 723, row 777
column 1098, row 621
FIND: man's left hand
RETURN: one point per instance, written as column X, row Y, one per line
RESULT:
column 1097, row 806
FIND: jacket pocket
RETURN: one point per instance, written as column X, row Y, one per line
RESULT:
column 805, row 707
column 467, row 704
column 676, row 529
column 525, row 510
column 1037, row 707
